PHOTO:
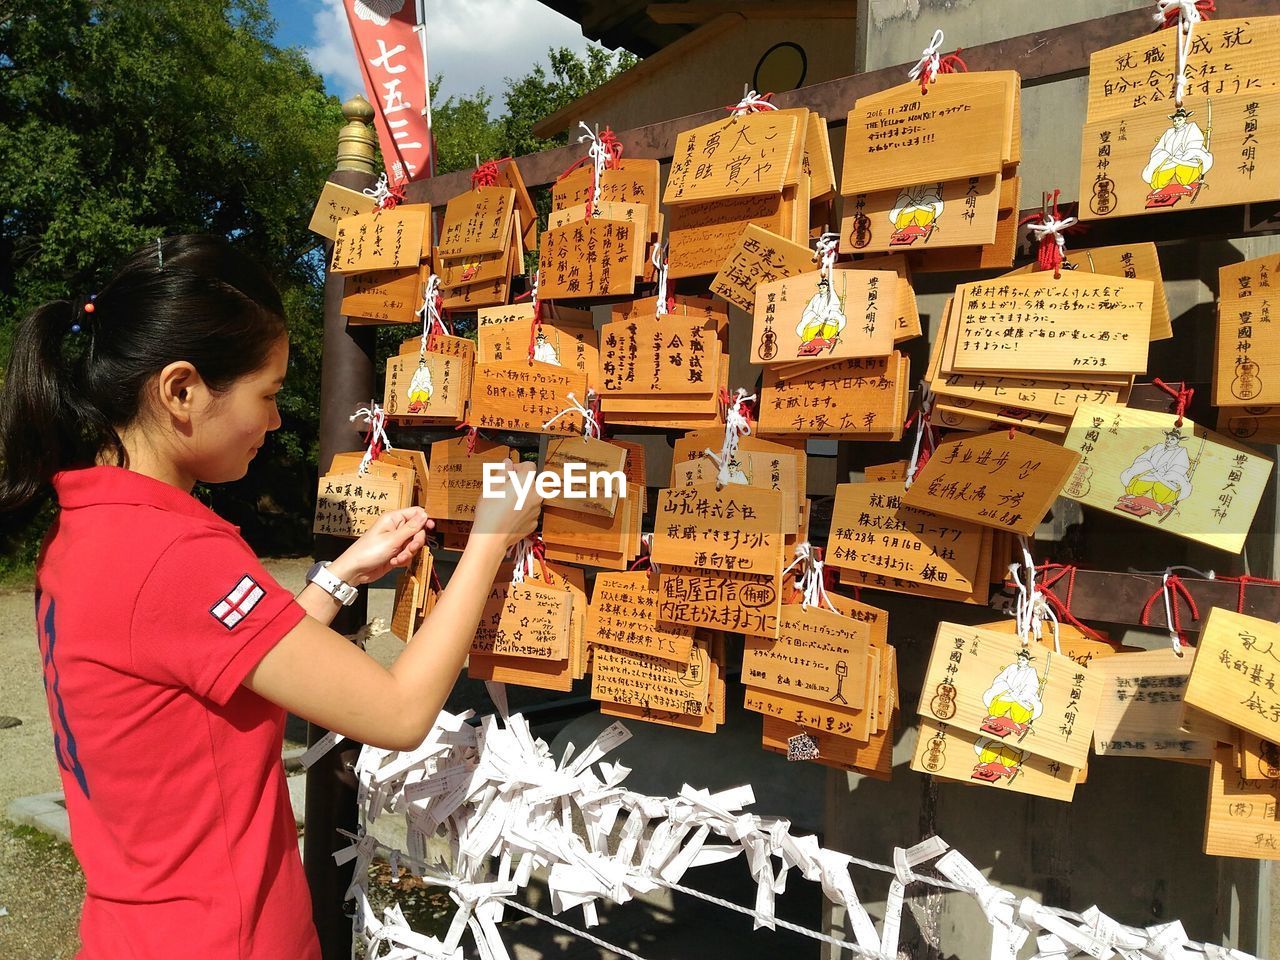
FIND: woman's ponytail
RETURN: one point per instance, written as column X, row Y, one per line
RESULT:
column 39, row 428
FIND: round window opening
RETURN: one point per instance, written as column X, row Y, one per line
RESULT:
column 782, row 67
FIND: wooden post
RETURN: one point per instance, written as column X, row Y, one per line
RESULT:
column 346, row 383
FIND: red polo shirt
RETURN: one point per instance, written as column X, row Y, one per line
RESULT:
column 151, row 610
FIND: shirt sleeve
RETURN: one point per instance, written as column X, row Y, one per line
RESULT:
column 207, row 613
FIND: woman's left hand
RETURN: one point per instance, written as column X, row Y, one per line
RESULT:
column 391, row 542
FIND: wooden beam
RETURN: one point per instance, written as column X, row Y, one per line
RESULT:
column 1120, row 597
column 701, row 11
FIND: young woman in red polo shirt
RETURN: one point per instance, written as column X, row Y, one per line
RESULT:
column 170, row 655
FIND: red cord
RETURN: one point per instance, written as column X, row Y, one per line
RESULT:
column 1171, row 15
column 1177, row 588
column 1181, row 397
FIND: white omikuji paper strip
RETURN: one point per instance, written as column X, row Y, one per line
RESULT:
column 509, row 808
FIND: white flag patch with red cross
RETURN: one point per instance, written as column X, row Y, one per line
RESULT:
column 235, row 606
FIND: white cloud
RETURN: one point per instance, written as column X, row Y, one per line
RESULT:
column 471, row 43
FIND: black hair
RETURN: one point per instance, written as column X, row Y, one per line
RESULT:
column 68, row 395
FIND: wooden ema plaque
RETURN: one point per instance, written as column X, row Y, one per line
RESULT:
column 1249, row 278
column 1031, row 698
column 819, row 655
column 736, row 602
column 528, row 619
column 963, row 126
column 816, row 162
column 874, row 758
column 1187, row 480
column 921, row 217
column 1142, row 696
column 595, row 457
column 708, row 721
column 383, row 240
column 525, row 395
column 643, row 680
column 703, row 235
column 759, row 257
column 873, row 532
column 831, row 718
column 1240, row 819
column 852, row 314
column 1069, row 325
column 950, row 753
column 429, row 385
column 1246, row 369
column 739, row 156
column 657, row 358
column 737, row 529
column 383, row 296
column 600, row 541
column 849, row 398
column 477, row 222
column 462, row 272
column 995, row 479
column 337, row 203
column 633, row 181
column 635, row 214
column 1137, row 261
column 457, row 478
column 347, row 505
column 623, row 614
column 771, row 470
column 1234, row 674
column 589, row 258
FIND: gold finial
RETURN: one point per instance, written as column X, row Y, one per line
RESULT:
column 356, row 140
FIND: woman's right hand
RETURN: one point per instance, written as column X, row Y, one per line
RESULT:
column 504, row 519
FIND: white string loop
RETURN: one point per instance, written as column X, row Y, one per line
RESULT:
column 590, row 426
column 380, row 192
column 1051, row 226
column 752, row 102
column 1188, row 17
column 660, row 275
column 736, row 425
column 930, row 60
column 599, row 156
column 1032, row 609
column 826, row 249
column 432, row 318
column 375, row 418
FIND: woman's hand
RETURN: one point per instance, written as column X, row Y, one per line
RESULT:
column 391, row 542
column 504, row 520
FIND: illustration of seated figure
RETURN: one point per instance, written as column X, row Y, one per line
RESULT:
column 995, row 760
column 1159, row 477
column 915, row 213
column 420, row 388
column 1178, row 162
column 822, row 321
column 1013, row 699
column 544, row 351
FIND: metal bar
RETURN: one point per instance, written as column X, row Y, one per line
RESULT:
column 346, row 382
column 1040, row 57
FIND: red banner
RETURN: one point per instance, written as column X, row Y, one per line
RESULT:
column 391, row 43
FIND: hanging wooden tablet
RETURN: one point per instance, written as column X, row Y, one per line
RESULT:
column 383, row 240
column 457, row 477
column 416, row 461
column 907, row 323
column 1255, row 425
column 526, row 395
column 953, row 754
column 1137, row 261
column 759, row 257
column 736, row 529
column 594, row 258
column 708, row 721
column 964, row 126
column 462, row 272
column 703, row 235
column 405, row 607
column 1247, row 356
column 817, row 163
column 635, row 214
column 660, row 361
column 1241, row 818
column 1039, row 323
column 832, row 718
column 532, row 622
column 1027, row 697
column 623, row 615
column 996, row 479
column 526, row 213
column 818, row 655
column 598, row 468
column 1249, row 278
column 601, row 541
column 477, row 222
column 1141, row 702
column 1144, row 153
column 383, row 296
column 1184, row 479
column 853, row 314
column 347, row 505
column 853, row 396
column 997, row 255
column 923, row 216
column 383, row 468
column 872, row 531
column 874, row 758
column 739, row 156
column 431, row 385
column 737, row 602
column 632, row 181
column 337, row 203
column 754, row 466
column 1234, row 676
column 643, row 680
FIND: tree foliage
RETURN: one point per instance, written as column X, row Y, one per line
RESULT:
column 123, row 121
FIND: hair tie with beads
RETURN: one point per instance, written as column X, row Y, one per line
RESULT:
column 87, row 308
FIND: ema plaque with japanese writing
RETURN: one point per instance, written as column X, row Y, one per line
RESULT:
column 851, row 313
column 736, row 529
column 527, row 396
column 456, row 478
column 337, row 203
column 819, row 655
column 589, row 258
column 746, row 603
column 1141, row 703
column 759, row 256
column 996, row 479
column 348, row 505
column 1236, row 674
column 1037, row 322
column 1027, row 697
column 1150, row 469
column 739, row 156
column 1240, row 816
column 477, row 222
column 623, row 614
column 644, row 680
column 382, row 240
column 946, row 751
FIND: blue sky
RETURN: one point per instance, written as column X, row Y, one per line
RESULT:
column 473, row 43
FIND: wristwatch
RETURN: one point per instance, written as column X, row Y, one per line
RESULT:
column 340, row 590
